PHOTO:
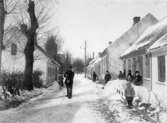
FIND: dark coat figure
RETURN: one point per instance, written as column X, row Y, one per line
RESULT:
column 120, row 76
column 69, row 76
column 124, row 74
column 94, row 76
column 107, row 77
column 138, row 78
column 129, row 75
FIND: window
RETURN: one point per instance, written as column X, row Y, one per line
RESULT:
column 129, row 64
column 161, row 68
column 124, row 65
column 13, row 49
column 134, row 65
column 147, row 63
column 140, row 64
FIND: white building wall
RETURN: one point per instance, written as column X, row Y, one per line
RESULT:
column 160, row 88
column 41, row 66
column 125, row 41
column 16, row 63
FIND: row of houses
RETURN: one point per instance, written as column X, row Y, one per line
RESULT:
column 111, row 55
column 143, row 48
column 13, row 58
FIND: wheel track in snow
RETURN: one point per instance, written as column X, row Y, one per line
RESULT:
column 103, row 111
column 110, row 112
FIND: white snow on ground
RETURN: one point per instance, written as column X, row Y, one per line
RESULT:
column 84, row 90
column 85, row 115
column 114, row 90
column 54, row 107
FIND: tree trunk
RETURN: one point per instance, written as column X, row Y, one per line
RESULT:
column 2, row 22
column 29, row 60
column 29, row 49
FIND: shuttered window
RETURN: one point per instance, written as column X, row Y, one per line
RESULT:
column 129, row 64
column 140, row 63
column 13, row 49
column 134, row 65
column 161, row 68
column 147, row 64
column 124, row 65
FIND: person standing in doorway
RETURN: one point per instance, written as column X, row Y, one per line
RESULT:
column 69, row 76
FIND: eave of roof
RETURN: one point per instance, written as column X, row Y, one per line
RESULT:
column 159, row 43
column 151, row 35
column 47, row 55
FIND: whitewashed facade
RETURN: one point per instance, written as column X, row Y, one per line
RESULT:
column 111, row 61
column 125, row 41
column 139, row 50
column 159, row 69
column 13, row 59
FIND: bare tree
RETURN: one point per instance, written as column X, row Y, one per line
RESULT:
column 68, row 60
column 78, row 65
column 31, row 31
column 2, row 20
column 53, row 45
column 31, row 35
column 32, row 22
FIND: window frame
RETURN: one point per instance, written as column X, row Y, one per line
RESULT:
column 13, row 49
column 161, row 64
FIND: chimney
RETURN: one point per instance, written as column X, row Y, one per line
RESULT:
column 136, row 20
column 110, row 42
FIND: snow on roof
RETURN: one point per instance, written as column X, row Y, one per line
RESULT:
column 149, row 36
column 125, row 41
column 97, row 60
column 160, row 42
column 94, row 61
column 14, row 35
column 47, row 55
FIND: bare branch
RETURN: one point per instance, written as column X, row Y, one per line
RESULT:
column 10, row 6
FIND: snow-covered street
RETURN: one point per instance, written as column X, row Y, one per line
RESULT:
column 55, row 107
column 88, row 105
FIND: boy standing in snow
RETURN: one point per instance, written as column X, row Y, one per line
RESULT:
column 129, row 94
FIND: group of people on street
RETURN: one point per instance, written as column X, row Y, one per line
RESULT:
column 68, row 76
column 129, row 90
column 107, row 76
column 136, row 78
column 122, row 75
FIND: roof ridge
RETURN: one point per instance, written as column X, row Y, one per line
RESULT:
column 147, row 16
column 46, row 54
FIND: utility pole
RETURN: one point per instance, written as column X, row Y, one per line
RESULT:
column 85, row 56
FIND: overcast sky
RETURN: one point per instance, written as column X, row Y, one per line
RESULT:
column 100, row 21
